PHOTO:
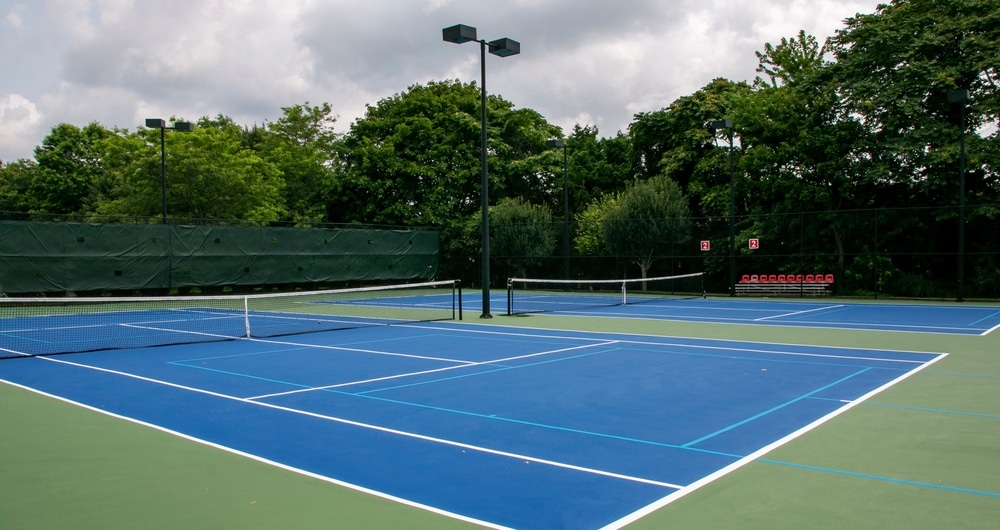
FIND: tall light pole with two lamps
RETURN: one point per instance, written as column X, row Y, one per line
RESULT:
column 161, row 124
column 460, row 34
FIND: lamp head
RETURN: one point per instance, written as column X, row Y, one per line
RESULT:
column 459, row 34
column 505, row 47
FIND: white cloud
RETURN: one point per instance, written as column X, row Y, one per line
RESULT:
column 119, row 61
column 19, row 126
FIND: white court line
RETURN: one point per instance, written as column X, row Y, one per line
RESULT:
column 465, row 364
column 736, row 342
column 345, row 421
column 799, row 312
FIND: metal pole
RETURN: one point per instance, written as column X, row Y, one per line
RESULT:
column 565, row 216
column 485, row 185
column 961, row 210
column 163, row 173
column 732, row 220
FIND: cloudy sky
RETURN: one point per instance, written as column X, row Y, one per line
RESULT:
column 592, row 62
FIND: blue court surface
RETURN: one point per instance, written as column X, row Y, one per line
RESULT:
column 914, row 318
column 499, row 426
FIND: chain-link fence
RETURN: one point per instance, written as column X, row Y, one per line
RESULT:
column 904, row 252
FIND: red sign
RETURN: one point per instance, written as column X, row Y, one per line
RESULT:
column 754, row 243
column 706, row 245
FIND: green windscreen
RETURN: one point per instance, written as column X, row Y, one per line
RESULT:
column 60, row 257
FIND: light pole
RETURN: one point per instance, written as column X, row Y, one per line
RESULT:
column 561, row 143
column 728, row 125
column 961, row 97
column 157, row 123
column 460, row 34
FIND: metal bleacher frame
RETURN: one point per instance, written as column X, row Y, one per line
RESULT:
column 801, row 285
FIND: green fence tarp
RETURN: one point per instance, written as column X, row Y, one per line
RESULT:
column 81, row 257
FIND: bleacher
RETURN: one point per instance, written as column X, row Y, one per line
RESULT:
column 784, row 285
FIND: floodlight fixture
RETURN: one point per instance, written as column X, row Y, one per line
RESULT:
column 161, row 124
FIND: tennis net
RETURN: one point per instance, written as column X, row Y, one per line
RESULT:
column 49, row 326
column 528, row 295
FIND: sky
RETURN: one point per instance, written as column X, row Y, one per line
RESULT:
column 587, row 62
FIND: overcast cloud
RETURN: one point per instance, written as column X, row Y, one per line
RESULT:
column 592, row 62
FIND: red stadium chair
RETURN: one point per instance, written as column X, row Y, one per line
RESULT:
column 829, row 278
column 781, row 278
column 799, row 278
column 745, row 278
column 754, row 278
column 810, row 278
column 773, row 278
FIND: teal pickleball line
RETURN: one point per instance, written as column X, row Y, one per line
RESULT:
column 772, row 409
column 880, row 478
column 535, row 424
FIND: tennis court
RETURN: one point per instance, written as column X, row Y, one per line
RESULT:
column 962, row 320
column 523, row 423
column 680, row 298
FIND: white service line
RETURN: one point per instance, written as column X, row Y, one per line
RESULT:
column 799, row 312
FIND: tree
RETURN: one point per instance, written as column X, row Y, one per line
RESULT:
column 674, row 141
column 522, row 234
column 15, row 180
column 644, row 223
column 413, row 159
column 793, row 61
column 596, row 165
column 210, row 175
column 302, row 145
column 69, row 165
column 801, row 152
column 894, row 69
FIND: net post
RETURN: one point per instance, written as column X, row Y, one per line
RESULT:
column 624, row 296
column 510, row 296
column 246, row 315
column 458, row 287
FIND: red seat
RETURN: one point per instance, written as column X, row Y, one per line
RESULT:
column 754, row 278
column 810, row 278
column 799, row 278
column 829, row 278
column 745, row 278
column 773, row 278
column 781, row 278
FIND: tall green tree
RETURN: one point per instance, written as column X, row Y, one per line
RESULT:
column 302, row 145
column 521, row 234
column 596, row 165
column 801, row 152
column 894, row 69
column 413, row 159
column 69, row 166
column 210, row 175
column 15, row 180
column 648, row 221
column 674, row 141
